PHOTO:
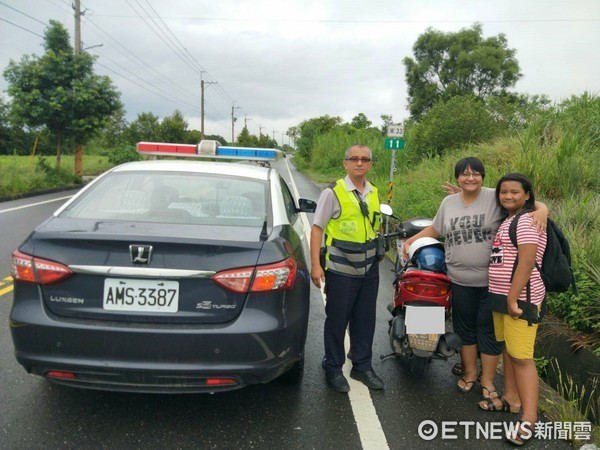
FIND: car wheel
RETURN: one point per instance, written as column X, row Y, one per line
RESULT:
column 295, row 374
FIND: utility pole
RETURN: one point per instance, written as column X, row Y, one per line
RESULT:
column 274, row 136
column 246, row 119
column 77, row 14
column 78, row 169
column 202, row 83
column 233, row 119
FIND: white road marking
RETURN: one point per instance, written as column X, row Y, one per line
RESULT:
column 369, row 427
column 34, row 204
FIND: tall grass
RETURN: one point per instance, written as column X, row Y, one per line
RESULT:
column 581, row 399
column 21, row 174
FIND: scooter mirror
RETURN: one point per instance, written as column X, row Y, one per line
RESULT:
column 386, row 210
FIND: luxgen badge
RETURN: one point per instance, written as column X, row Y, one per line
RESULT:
column 140, row 254
column 54, row 298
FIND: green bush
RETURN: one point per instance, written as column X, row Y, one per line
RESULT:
column 449, row 125
column 123, row 154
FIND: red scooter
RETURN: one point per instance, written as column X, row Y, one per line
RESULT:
column 422, row 299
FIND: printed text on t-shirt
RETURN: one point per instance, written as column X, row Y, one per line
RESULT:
column 467, row 229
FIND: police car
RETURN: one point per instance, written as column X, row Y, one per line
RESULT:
column 168, row 275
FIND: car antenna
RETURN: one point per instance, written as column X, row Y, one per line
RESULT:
column 263, row 232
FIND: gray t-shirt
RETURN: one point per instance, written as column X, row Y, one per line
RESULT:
column 469, row 231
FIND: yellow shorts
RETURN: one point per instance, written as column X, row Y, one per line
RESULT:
column 518, row 337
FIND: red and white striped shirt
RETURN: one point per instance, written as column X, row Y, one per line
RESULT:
column 504, row 254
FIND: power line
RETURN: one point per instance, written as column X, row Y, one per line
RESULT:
column 22, row 28
column 21, row 12
column 131, row 54
column 178, row 48
column 144, row 81
column 359, row 21
column 191, row 58
column 172, row 42
column 165, row 40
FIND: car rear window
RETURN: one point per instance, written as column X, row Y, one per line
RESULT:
column 177, row 198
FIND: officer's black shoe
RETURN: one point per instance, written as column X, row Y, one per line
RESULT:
column 337, row 381
column 367, row 377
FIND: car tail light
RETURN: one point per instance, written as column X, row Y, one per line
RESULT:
column 427, row 289
column 220, row 381
column 37, row 270
column 270, row 277
column 60, row 374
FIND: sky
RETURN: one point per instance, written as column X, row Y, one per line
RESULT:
column 276, row 63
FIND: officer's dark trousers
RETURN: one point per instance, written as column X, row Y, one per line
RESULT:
column 351, row 302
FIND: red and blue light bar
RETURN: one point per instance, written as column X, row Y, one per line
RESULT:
column 208, row 149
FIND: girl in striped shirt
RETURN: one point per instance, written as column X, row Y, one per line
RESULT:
column 508, row 292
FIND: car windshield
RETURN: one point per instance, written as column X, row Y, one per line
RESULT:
column 177, row 198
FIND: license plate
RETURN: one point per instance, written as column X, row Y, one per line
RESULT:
column 425, row 320
column 141, row 295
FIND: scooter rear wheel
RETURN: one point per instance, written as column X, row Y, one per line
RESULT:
column 419, row 365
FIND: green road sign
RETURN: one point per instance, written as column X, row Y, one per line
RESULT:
column 395, row 144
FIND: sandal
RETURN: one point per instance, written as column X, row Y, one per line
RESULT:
column 520, row 437
column 468, row 385
column 491, row 393
column 487, row 404
column 458, row 369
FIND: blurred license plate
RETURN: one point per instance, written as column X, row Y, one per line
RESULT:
column 425, row 320
column 141, row 295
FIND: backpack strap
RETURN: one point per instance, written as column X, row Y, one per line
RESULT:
column 512, row 234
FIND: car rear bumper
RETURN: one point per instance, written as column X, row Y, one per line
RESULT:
column 160, row 358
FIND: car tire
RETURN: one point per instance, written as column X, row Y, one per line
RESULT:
column 295, row 374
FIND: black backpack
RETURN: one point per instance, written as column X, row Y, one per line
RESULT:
column 556, row 270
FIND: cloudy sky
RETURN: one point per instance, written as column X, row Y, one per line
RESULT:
column 279, row 62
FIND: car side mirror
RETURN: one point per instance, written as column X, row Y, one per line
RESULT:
column 307, row 206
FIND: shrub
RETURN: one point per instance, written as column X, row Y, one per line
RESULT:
column 123, row 154
column 449, row 125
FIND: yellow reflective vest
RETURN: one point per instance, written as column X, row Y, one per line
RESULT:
column 350, row 239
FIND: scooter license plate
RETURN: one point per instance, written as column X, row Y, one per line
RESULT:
column 425, row 320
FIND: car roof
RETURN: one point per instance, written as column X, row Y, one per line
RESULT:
column 219, row 168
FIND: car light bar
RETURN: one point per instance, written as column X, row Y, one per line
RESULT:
column 208, row 149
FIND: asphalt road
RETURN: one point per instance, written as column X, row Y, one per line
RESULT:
column 37, row 414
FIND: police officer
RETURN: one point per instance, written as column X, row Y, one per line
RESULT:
column 347, row 220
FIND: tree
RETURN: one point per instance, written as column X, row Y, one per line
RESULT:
column 60, row 91
column 461, row 63
column 146, row 127
column 173, row 128
column 361, row 122
column 309, row 130
column 5, row 129
column 516, row 111
column 387, row 122
column 460, row 120
column 245, row 139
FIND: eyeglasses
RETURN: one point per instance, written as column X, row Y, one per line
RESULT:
column 355, row 159
column 470, row 174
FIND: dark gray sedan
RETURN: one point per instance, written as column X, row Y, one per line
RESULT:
column 166, row 276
